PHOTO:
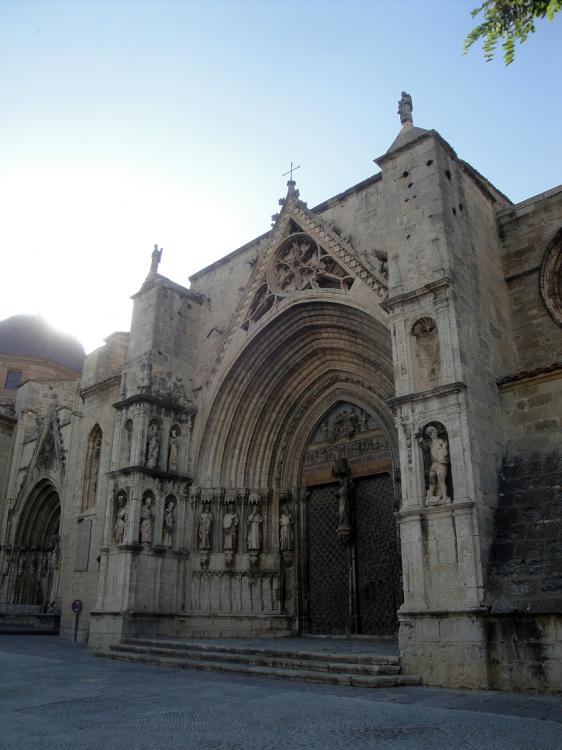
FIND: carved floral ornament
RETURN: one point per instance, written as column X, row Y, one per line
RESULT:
column 551, row 278
column 299, row 264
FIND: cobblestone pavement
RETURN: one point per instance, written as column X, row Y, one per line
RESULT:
column 55, row 695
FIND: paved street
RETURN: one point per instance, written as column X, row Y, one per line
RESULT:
column 57, row 695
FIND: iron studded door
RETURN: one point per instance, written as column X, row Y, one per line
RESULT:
column 328, row 565
column 378, row 559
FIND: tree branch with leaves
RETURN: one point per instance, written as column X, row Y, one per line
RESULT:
column 509, row 20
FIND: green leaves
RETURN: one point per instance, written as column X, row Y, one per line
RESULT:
column 510, row 21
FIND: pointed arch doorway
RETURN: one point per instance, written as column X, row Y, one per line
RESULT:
column 351, row 578
column 35, row 554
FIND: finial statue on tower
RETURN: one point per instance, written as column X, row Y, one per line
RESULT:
column 405, row 109
column 156, row 258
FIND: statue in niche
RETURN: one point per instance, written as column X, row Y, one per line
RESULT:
column 428, row 359
column 286, row 535
column 230, row 532
column 168, row 527
column 405, row 108
column 128, row 443
column 439, row 451
column 121, row 519
column 255, row 521
column 153, row 446
column 146, row 521
column 172, row 462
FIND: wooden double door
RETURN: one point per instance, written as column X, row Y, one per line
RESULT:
column 354, row 581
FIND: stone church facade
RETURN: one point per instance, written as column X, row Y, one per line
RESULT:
column 350, row 425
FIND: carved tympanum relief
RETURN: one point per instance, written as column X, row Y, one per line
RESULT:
column 427, row 354
column 299, row 264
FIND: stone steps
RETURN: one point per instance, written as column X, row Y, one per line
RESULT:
column 336, row 668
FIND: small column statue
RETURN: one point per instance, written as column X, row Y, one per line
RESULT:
column 405, row 109
column 172, row 462
column 204, row 529
column 230, row 533
column 286, row 534
column 168, row 527
column 255, row 521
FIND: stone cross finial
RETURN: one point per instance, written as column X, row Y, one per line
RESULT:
column 156, row 258
column 405, row 108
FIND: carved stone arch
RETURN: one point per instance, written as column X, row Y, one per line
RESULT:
column 92, row 468
column 550, row 279
column 310, row 347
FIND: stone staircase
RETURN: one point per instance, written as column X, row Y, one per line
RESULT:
column 293, row 661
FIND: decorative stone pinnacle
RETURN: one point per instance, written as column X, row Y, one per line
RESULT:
column 405, row 109
column 292, row 189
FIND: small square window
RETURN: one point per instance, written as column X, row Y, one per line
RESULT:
column 13, row 379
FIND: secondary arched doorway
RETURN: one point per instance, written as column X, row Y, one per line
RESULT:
column 35, row 552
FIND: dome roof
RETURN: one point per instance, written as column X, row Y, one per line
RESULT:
column 32, row 336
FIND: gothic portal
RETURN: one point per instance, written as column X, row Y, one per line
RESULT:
column 351, row 425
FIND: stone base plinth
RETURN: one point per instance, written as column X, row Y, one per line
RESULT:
column 445, row 649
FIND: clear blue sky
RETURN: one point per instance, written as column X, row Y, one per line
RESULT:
column 127, row 123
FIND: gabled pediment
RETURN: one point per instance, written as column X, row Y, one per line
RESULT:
column 48, row 455
column 302, row 254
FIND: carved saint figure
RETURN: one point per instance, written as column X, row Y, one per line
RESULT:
column 287, row 538
column 230, row 528
column 439, row 450
column 146, row 519
column 173, row 450
column 21, row 562
column 204, row 528
column 7, row 561
column 255, row 520
column 153, row 446
column 168, row 528
column 405, row 108
column 155, row 260
column 55, row 550
column 121, row 520
column 343, row 503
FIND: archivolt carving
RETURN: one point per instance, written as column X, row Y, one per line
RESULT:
column 300, row 263
column 551, row 278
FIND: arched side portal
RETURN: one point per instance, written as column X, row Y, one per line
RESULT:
column 316, row 361
column 34, row 556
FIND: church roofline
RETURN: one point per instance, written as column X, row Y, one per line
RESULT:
column 320, row 208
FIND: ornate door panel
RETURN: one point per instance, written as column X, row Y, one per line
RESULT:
column 377, row 555
column 328, row 566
